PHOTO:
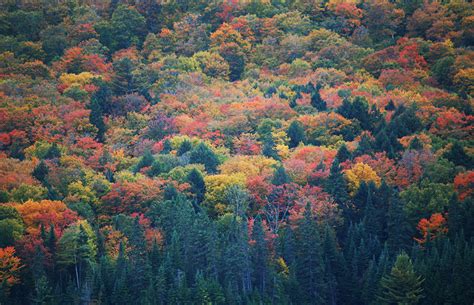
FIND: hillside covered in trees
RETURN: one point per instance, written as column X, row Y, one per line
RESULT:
column 237, row 152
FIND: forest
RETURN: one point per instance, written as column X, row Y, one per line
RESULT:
column 236, row 152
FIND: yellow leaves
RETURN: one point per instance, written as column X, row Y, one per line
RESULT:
column 359, row 173
column 80, row 79
column 249, row 166
column 216, row 189
column 464, row 79
column 282, row 267
column 226, row 34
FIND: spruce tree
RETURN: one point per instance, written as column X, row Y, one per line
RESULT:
column 402, row 285
column 280, row 176
column 184, row 147
column 41, row 172
column 198, row 186
column 96, row 118
column 309, row 263
column 204, row 155
column 53, row 152
column 343, row 153
column 145, row 161
column 295, row 133
column 317, row 101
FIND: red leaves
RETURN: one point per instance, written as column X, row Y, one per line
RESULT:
column 129, row 197
column 10, row 266
column 431, row 228
column 464, row 184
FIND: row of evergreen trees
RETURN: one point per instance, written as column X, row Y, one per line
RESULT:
column 369, row 260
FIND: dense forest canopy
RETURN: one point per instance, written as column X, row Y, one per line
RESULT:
column 237, row 152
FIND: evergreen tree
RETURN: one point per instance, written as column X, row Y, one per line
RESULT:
column 336, row 184
column 317, row 101
column 458, row 156
column 167, row 148
column 53, row 152
column 204, row 155
column 402, row 285
column 184, row 147
column 398, row 230
column 310, row 268
column 96, row 118
column 145, row 161
column 198, row 186
column 259, row 257
column 268, row 149
column 343, row 153
column 332, row 264
column 41, row 172
column 295, row 133
column 280, row 176
column 365, row 147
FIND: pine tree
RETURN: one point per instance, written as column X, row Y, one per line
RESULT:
column 53, row 152
column 268, row 149
column 280, row 176
column 336, row 184
column 184, row 147
column 332, row 264
column 398, row 230
column 295, row 133
column 41, row 172
column 259, row 256
column 146, row 160
column 310, row 268
column 402, row 285
column 167, row 148
column 458, row 156
column 96, row 118
column 317, row 101
column 43, row 293
column 198, row 187
column 343, row 153
column 204, row 155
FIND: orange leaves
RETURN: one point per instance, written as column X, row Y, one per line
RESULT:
column 226, row 34
column 452, row 122
column 10, row 266
column 45, row 212
column 131, row 196
column 14, row 173
column 431, row 228
column 464, row 184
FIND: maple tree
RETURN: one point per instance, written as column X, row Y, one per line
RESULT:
column 245, row 152
column 431, row 228
column 10, row 266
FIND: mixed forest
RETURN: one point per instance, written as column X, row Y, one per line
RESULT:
column 237, row 152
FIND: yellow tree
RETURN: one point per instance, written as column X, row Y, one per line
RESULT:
column 359, row 173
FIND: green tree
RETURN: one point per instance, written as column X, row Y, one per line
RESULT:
column 402, row 286
column 309, row 262
column 295, row 133
column 184, row 147
column 198, row 186
column 203, row 154
column 126, row 28
column 280, row 176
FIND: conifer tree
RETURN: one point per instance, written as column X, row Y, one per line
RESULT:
column 295, row 133
column 198, row 187
column 310, row 268
column 402, row 285
column 280, row 176
column 204, row 155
